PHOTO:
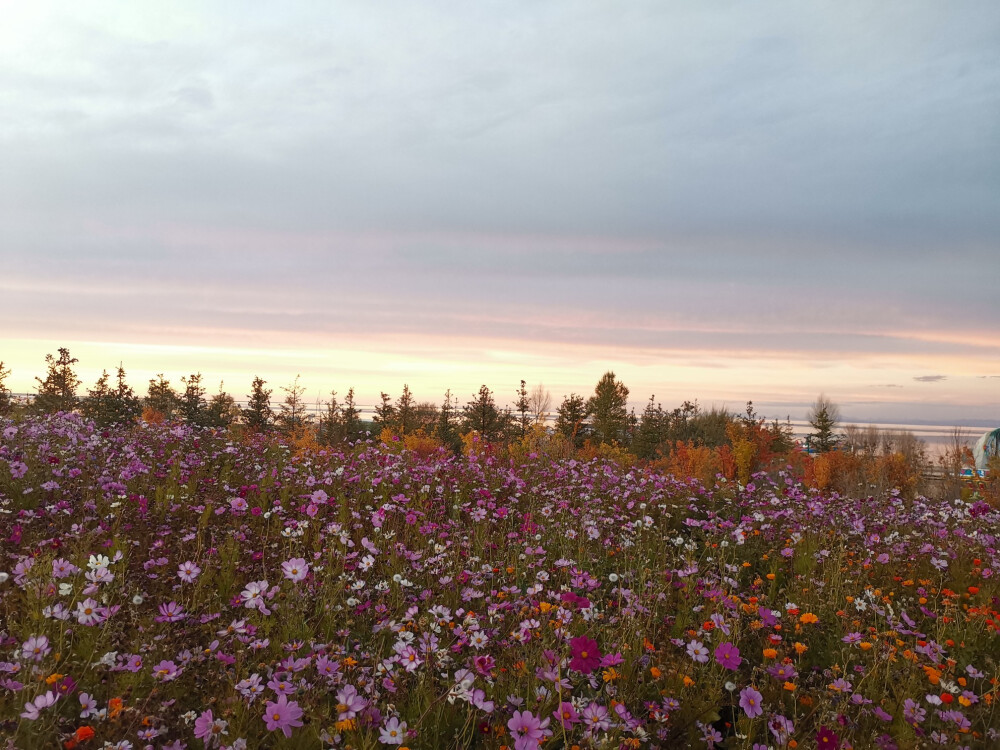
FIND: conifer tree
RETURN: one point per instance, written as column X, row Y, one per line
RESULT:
column 385, row 413
column 350, row 417
column 222, row 412
column 6, row 402
column 112, row 406
column 571, row 419
column 293, row 417
column 405, row 416
column 523, row 408
column 824, row 418
column 447, row 429
column 257, row 415
column 608, row 409
column 482, row 415
column 193, row 404
column 651, row 431
column 162, row 398
column 57, row 392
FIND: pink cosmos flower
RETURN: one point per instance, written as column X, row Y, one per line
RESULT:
column 750, row 701
column 166, row 671
column 728, row 656
column 527, row 730
column 188, row 571
column 349, row 703
column 88, row 612
column 208, row 729
column 295, row 569
column 595, row 718
column 35, row 648
column 566, row 715
column 392, row 732
column 32, row 710
column 282, row 714
column 171, row 612
column 586, row 655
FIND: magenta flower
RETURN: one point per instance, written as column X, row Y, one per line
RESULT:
column 282, row 714
column 728, row 656
column 750, row 702
column 586, row 657
column 527, row 730
column 566, row 715
column 827, row 739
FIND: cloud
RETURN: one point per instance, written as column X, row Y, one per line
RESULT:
column 930, row 378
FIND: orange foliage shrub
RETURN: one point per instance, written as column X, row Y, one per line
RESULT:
column 152, row 416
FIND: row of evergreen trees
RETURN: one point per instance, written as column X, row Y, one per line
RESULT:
column 602, row 418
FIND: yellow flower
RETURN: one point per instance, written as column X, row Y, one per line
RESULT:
column 53, row 678
column 610, row 674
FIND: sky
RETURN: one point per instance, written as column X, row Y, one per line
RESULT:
column 717, row 201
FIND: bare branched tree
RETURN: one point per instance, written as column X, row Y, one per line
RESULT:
column 540, row 401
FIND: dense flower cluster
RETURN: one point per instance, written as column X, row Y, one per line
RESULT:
column 166, row 587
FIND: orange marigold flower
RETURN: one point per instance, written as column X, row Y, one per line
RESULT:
column 809, row 618
column 115, row 707
column 800, row 648
column 789, row 686
column 655, row 671
column 770, row 653
column 53, row 678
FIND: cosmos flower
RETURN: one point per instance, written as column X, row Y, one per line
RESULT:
column 282, row 714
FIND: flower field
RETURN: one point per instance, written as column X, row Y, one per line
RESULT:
column 166, row 587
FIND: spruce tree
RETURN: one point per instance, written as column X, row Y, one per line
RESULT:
column 608, row 409
column 257, row 415
column 446, row 429
column 222, row 412
column 162, row 398
column 193, row 404
column 58, row 391
column 651, row 431
column 824, row 418
column 523, row 408
column 571, row 419
column 293, row 417
column 482, row 415
column 6, row 401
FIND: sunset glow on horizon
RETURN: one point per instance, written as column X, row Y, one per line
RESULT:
column 721, row 205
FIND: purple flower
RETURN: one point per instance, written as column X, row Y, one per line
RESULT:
column 697, row 651
column 392, row 732
column 527, row 730
column 349, row 703
column 595, row 718
column 166, row 671
column 33, row 709
column 282, row 714
column 188, row 571
column 35, row 648
column 728, row 656
column 566, row 715
column 171, row 612
column 750, row 702
column 208, row 729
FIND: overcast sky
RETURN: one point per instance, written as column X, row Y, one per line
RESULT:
column 722, row 201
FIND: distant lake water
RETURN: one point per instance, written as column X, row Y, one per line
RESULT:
column 937, row 437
